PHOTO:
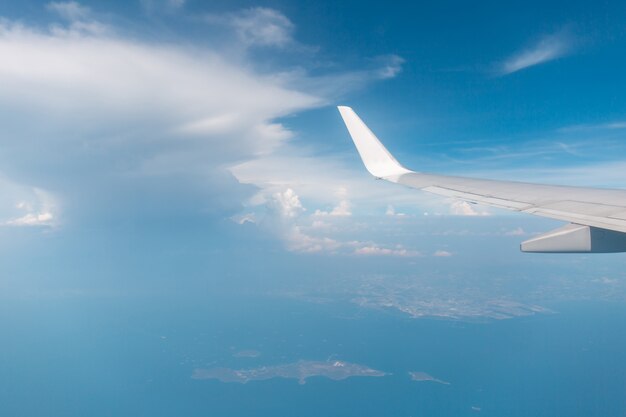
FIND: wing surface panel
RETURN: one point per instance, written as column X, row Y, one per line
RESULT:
column 604, row 208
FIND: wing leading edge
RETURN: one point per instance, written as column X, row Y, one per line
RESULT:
column 597, row 216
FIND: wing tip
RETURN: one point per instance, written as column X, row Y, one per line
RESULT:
column 376, row 158
column 344, row 109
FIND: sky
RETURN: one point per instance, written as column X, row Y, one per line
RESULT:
column 153, row 139
column 177, row 187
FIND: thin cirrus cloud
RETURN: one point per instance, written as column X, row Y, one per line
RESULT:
column 264, row 27
column 70, row 10
column 548, row 48
column 614, row 125
column 161, row 6
column 391, row 66
column 257, row 26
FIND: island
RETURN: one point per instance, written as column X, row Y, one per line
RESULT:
column 424, row 377
column 300, row 370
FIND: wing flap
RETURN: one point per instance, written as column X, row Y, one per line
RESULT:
column 581, row 218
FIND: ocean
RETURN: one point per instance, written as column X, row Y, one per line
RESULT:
column 135, row 356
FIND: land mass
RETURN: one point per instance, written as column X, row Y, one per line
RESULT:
column 420, row 297
column 301, row 370
column 423, row 376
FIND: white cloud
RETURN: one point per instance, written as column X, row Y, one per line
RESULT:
column 391, row 212
column 614, row 125
column 131, row 81
column 32, row 219
column 442, row 254
column 245, row 218
column 80, row 18
column 119, row 126
column 114, row 112
column 258, row 26
column 324, row 181
column 373, row 250
column 70, row 10
column 299, row 241
column 341, row 210
column 160, row 6
column 546, row 49
column 307, row 234
column 319, row 224
column 391, row 66
column 287, row 203
column 286, row 208
column 34, row 207
column 463, row 208
column 515, row 232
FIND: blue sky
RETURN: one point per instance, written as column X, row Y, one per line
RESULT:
column 182, row 129
column 177, row 186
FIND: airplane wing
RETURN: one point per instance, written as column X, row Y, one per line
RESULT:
column 597, row 217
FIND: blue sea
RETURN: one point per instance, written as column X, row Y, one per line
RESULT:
column 134, row 356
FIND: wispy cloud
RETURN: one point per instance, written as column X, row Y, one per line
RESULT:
column 162, row 6
column 258, row 26
column 390, row 65
column 80, row 19
column 70, row 10
column 614, row 125
column 548, row 48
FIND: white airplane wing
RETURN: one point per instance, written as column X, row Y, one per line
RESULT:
column 597, row 217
